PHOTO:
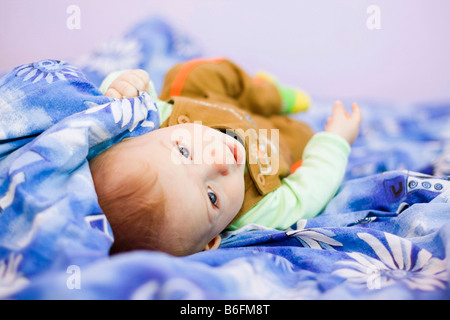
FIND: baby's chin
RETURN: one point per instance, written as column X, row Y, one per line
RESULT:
column 184, row 249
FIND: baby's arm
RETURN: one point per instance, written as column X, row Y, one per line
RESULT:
column 306, row 192
column 128, row 83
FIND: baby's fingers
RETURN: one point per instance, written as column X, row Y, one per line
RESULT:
column 143, row 76
column 338, row 106
column 356, row 112
column 139, row 79
column 113, row 93
column 339, row 110
column 125, row 88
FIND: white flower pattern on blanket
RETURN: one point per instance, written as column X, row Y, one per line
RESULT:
column 113, row 55
column 10, row 279
column 396, row 263
column 315, row 239
column 50, row 70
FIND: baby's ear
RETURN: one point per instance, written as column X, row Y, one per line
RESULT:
column 213, row 244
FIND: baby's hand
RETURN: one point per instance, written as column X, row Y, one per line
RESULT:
column 344, row 124
column 128, row 83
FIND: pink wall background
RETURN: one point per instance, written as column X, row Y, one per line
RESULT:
column 323, row 46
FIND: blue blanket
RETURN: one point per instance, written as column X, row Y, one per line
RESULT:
column 386, row 233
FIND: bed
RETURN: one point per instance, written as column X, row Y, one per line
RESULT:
column 385, row 235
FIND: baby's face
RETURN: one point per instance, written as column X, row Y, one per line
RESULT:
column 201, row 171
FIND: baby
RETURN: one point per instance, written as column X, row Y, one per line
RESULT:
column 177, row 188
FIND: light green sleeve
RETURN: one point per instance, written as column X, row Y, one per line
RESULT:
column 306, row 192
column 164, row 108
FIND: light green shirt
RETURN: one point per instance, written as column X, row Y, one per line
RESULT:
column 303, row 194
column 306, row 192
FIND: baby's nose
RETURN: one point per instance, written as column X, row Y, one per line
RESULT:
column 218, row 160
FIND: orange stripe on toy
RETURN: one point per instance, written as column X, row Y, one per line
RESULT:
column 180, row 78
column 296, row 165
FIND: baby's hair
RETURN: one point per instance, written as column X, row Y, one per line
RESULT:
column 131, row 198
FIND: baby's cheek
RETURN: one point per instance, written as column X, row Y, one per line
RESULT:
column 240, row 191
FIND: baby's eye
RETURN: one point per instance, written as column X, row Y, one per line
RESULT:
column 184, row 151
column 212, row 197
